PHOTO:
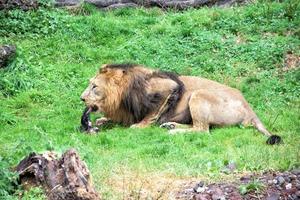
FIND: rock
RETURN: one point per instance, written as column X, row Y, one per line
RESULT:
column 217, row 194
column 273, row 196
column 246, row 179
column 199, row 187
column 60, row 3
column 164, row 4
column 293, row 177
column 270, row 182
column 201, row 197
column 231, row 167
column 296, row 172
column 107, row 3
column 20, row 4
column 288, row 186
column 298, row 186
column 7, row 52
column 121, row 5
column 280, row 180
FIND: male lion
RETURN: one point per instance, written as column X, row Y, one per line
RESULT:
column 134, row 95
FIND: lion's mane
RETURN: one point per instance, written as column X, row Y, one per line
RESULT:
column 127, row 99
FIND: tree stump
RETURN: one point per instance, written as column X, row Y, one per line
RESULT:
column 65, row 178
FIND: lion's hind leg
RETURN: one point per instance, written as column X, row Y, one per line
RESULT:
column 200, row 111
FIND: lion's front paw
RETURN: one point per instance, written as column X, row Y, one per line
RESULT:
column 93, row 130
column 168, row 125
column 138, row 125
column 101, row 121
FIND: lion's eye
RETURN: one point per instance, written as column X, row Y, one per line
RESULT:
column 94, row 86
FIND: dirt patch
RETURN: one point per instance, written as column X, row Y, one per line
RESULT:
column 291, row 61
column 269, row 185
column 141, row 184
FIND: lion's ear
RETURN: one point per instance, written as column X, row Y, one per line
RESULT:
column 103, row 69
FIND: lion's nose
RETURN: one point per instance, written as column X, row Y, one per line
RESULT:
column 82, row 99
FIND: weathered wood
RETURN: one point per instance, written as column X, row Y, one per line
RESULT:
column 65, row 178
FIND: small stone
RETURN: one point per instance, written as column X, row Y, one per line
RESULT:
column 227, row 189
column 296, row 172
column 288, row 179
column 293, row 177
column 245, row 179
column 270, row 182
column 217, row 197
column 231, row 166
column 275, row 181
column 273, row 196
column 199, row 187
column 200, row 197
column 280, row 180
column 188, row 191
column 298, row 186
column 217, row 194
column 298, row 193
column 288, row 186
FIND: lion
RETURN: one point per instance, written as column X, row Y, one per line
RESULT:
column 137, row 96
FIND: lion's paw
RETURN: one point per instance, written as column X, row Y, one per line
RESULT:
column 101, row 121
column 93, row 130
column 168, row 125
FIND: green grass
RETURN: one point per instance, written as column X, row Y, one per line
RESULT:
column 58, row 52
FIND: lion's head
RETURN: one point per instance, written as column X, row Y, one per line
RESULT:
column 120, row 92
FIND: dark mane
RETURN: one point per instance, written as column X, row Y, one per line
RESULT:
column 175, row 97
column 125, row 66
column 138, row 103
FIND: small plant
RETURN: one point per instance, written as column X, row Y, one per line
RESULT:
column 39, row 22
column 35, row 193
column 83, row 9
column 253, row 186
column 8, row 180
column 16, row 77
column 291, row 9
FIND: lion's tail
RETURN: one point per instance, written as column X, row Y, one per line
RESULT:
column 272, row 139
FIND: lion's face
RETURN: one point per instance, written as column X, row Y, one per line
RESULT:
column 104, row 91
column 94, row 95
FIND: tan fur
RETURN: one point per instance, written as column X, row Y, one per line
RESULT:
column 212, row 103
column 111, row 86
column 206, row 102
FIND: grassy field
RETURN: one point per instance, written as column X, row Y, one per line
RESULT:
column 58, row 51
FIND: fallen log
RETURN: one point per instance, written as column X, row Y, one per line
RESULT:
column 65, row 178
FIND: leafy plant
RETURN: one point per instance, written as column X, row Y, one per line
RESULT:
column 8, row 180
column 252, row 186
column 41, row 22
column 291, row 9
column 16, row 77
